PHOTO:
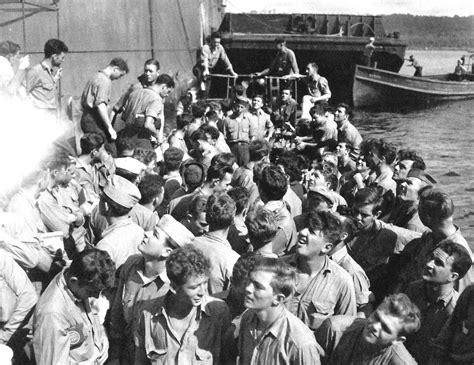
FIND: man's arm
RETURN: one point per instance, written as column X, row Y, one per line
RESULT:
column 104, row 115
column 25, row 296
column 294, row 64
column 51, row 341
column 270, row 128
column 227, row 63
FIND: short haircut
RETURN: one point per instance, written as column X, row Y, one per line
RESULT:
column 435, row 202
column 93, row 267
column 153, row 62
column 258, row 170
column 368, row 196
column 259, row 96
column 400, row 306
column 284, row 276
column 279, row 40
column 173, row 157
column 317, row 109
column 59, row 160
column 220, row 212
column 198, row 205
column 8, row 48
column 240, row 195
column 144, row 155
column 289, row 161
column 347, row 109
column 273, row 183
column 407, row 154
column 150, row 187
column 165, row 79
column 258, row 149
column 198, row 109
column 262, row 226
column 384, row 149
column 313, row 65
column 90, row 142
column 54, row 46
column 215, row 35
column 218, row 171
column 287, row 89
column 461, row 258
column 125, row 144
column 186, row 262
column 183, row 120
column 212, row 116
column 214, row 106
column 242, row 269
column 326, row 222
column 212, row 131
column 225, row 158
column 120, row 63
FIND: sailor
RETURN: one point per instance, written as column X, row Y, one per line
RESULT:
column 416, row 65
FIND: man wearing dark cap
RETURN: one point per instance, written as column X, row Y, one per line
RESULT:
column 122, row 236
column 237, row 131
column 284, row 62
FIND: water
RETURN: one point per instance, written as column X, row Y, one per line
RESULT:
column 444, row 135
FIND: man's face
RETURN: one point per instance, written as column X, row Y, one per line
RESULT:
column 200, row 222
column 223, row 184
column 204, row 145
column 193, row 290
column 363, row 215
column 257, row 103
column 361, row 164
column 319, row 119
column 238, row 109
column 340, row 114
column 100, row 155
column 280, row 46
column 117, row 73
column 153, row 243
column 373, row 158
column 165, row 91
column 309, row 70
column 215, row 42
column 402, row 168
column 151, row 72
column 341, row 149
column 285, row 95
column 259, row 292
column 58, row 59
column 382, row 328
column 439, row 267
column 409, row 189
column 310, row 243
column 64, row 175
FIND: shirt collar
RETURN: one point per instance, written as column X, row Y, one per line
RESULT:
column 445, row 299
column 339, row 255
column 201, row 308
column 62, row 284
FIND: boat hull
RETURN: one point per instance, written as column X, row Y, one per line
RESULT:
column 373, row 87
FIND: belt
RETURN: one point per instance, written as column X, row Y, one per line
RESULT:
column 238, row 142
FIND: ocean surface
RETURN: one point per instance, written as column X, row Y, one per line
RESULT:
column 443, row 134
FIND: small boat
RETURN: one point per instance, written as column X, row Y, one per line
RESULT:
column 375, row 87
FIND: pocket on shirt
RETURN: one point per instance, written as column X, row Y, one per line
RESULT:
column 203, row 357
column 158, row 355
column 48, row 87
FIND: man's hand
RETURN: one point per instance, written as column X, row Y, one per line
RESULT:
column 113, row 134
column 57, row 77
column 205, row 73
column 301, row 146
column 233, row 73
column 24, row 62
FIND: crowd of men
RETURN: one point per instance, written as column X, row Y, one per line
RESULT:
column 248, row 235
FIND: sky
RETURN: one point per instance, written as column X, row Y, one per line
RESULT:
column 372, row 7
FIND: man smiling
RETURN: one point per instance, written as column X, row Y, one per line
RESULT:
column 186, row 325
column 376, row 340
